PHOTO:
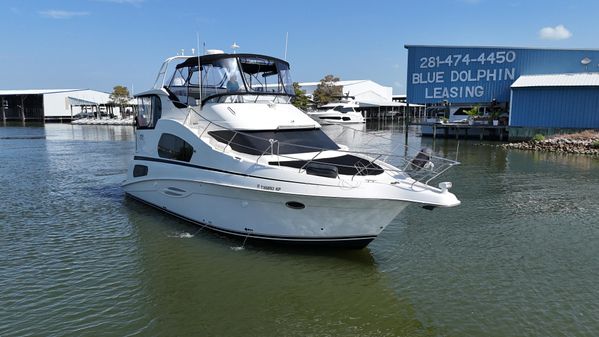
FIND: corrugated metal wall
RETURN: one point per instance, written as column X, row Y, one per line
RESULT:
column 555, row 107
column 479, row 75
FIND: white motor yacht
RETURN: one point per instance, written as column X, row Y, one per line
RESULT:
column 219, row 143
column 341, row 112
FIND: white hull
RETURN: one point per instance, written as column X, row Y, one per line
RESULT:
column 265, row 214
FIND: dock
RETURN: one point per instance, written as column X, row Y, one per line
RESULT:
column 461, row 130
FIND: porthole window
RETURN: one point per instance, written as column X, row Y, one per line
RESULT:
column 173, row 147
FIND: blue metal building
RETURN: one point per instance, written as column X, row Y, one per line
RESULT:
column 568, row 101
column 453, row 75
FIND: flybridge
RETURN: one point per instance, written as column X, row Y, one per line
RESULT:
column 221, row 76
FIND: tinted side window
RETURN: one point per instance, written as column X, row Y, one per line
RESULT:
column 290, row 141
column 149, row 111
column 156, row 109
column 173, row 147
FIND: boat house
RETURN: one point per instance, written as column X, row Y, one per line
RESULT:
column 53, row 105
column 542, row 90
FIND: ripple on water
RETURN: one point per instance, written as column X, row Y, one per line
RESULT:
column 518, row 257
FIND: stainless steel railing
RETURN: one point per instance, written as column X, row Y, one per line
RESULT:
column 419, row 164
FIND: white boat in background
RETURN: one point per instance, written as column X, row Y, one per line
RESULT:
column 103, row 121
column 240, row 159
column 341, row 112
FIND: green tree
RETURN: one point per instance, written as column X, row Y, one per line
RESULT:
column 327, row 90
column 120, row 95
column 300, row 100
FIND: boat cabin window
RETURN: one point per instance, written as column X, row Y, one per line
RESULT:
column 173, row 147
column 288, row 141
column 149, row 111
column 223, row 75
column 220, row 77
column 343, row 109
column 266, row 76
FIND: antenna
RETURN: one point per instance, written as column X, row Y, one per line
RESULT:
column 199, row 70
column 234, row 46
column 286, row 40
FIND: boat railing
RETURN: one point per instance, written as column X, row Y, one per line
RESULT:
column 419, row 164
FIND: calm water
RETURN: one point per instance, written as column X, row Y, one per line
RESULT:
column 519, row 257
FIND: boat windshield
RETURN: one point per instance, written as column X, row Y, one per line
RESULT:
column 230, row 74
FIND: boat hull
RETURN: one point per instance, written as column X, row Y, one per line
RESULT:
column 268, row 215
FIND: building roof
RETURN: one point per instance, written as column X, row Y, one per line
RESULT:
column 305, row 84
column 558, row 80
column 78, row 101
column 407, row 46
column 35, row 91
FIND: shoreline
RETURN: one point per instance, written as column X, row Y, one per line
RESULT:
column 583, row 143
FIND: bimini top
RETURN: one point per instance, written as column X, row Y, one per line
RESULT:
column 249, row 58
column 224, row 75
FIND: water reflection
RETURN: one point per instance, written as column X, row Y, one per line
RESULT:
column 261, row 290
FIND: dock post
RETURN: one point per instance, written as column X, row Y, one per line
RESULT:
column 22, row 108
column 406, row 123
column 482, row 133
column 3, row 111
column 434, row 131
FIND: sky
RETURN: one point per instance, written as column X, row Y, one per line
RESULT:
column 97, row 44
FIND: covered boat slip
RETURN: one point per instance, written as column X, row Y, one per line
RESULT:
column 22, row 106
column 58, row 105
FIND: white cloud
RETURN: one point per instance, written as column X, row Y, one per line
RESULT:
column 60, row 14
column 558, row 32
